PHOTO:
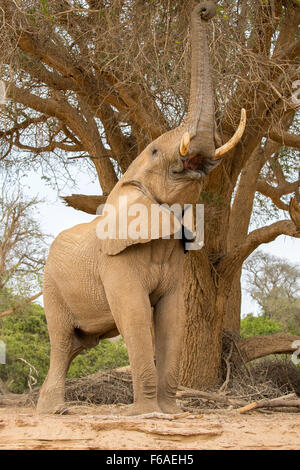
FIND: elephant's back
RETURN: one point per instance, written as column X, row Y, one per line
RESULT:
column 74, row 243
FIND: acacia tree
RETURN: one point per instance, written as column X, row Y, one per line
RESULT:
column 100, row 79
column 22, row 249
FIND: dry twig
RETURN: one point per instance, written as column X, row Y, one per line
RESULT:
column 285, row 401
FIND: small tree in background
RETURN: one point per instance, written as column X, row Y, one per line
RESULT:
column 23, row 246
column 22, row 256
column 273, row 283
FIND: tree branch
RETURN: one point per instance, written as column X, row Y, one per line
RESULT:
column 49, row 148
column 53, row 57
column 137, row 105
column 260, row 346
column 289, row 52
column 242, row 206
column 88, row 204
column 120, row 145
column 23, row 125
column 232, row 262
column 17, row 307
column 285, row 138
column 294, row 210
column 275, row 193
column 86, row 131
column 52, row 79
column 285, row 51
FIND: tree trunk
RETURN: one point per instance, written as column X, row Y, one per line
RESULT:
column 201, row 356
column 232, row 318
column 205, row 295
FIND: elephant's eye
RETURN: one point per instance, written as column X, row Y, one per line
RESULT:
column 154, row 151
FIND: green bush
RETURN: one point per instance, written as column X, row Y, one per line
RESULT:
column 107, row 355
column 259, row 326
column 25, row 335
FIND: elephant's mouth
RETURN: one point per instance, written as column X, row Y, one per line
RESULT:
column 194, row 166
column 194, row 163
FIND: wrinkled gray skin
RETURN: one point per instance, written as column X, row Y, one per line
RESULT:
column 96, row 289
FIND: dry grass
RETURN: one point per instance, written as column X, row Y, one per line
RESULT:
column 267, row 378
column 102, row 388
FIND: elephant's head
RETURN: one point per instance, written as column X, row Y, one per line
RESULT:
column 170, row 169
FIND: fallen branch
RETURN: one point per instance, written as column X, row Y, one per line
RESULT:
column 17, row 307
column 274, row 403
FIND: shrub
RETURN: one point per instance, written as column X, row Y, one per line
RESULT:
column 107, row 355
column 259, row 326
column 25, row 335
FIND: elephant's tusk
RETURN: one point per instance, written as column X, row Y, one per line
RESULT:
column 184, row 144
column 234, row 139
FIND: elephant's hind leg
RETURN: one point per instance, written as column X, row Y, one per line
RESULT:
column 64, row 347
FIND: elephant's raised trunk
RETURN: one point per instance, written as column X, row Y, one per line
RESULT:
column 199, row 124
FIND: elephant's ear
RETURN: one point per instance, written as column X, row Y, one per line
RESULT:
column 130, row 216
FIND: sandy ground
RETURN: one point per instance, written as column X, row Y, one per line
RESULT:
column 101, row 428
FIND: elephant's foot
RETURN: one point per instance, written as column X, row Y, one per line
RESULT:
column 49, row 408
column 169, row 406
column 51, row 403
column 141, row 408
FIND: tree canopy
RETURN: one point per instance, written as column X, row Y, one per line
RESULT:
column 101, row 79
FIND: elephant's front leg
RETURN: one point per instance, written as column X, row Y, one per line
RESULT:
column 169, row 320
column 132, row 314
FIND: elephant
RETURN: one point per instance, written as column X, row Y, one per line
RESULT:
column 97, row 288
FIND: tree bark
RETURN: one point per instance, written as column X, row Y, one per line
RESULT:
column 232, row 318
column 201, row 355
